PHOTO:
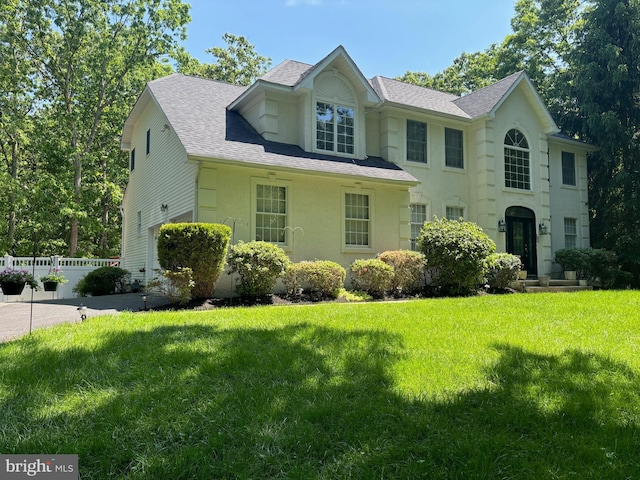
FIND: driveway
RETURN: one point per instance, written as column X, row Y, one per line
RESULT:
column 17, row 317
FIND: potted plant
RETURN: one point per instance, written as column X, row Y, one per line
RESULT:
column 573, row 261
column 52, row 279
column 13, row 281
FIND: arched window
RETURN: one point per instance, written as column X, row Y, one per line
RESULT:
column 517, row 170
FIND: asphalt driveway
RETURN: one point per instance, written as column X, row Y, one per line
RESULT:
column 17, row 317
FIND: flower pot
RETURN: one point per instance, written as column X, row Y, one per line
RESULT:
column 522, row 275
column 12, row 288
column 582, row 283
column 569, row 275
column 543, row 281
column 50, row 286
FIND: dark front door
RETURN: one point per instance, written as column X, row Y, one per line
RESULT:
column 521, row 237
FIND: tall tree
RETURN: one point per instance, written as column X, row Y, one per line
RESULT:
column 605, row 81
column 238, row 63
column 92, row 57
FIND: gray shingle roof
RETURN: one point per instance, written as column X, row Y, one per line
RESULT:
column 484, row 100
column 196, row 110
column 287, row 73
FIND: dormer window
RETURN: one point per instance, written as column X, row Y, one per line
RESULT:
column 334, row 128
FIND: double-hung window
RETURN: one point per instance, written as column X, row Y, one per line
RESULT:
column 454, row 213
column 271, row 213
column 335, row 128
column 416, row 141
column 418, row 217
column 453, row 148
column 570, row 232
column 568, row 168
column 357, row 223
column 517, row 169
column 132, row 160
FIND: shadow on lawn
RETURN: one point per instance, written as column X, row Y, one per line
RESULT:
column 310, row 402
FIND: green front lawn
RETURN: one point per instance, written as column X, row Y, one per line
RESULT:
column 538, row 386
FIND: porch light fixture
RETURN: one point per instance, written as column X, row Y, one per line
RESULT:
column 543, row 228
column 502, row 225
column 83, row 312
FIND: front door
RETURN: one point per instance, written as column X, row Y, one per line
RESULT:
column 521, row 237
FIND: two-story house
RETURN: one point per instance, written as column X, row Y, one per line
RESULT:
column 330, row 165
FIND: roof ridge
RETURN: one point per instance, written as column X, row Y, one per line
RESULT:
column 419, row 86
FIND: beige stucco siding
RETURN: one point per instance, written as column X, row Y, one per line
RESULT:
column 315, row 210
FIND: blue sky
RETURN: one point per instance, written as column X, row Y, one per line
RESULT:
column 383, row 37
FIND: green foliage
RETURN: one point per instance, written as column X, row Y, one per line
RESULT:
column 408, row 270
column 574, row 259
column 10, row 275
column 321, row 277
column 238, row 63
column 199, row 246
column 456, row 253
column 503, row 269
column 176, row 285
column 103, row 281
column 259, row 265
column 372, row 276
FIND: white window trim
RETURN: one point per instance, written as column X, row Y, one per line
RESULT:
column 413, row 241
column 464, row 156
column 357, row 248
column 520, row 149
column 426, row 163
column 255, row 181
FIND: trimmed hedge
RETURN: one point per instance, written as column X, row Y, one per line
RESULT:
column 259, row 265
column 372, row 276
column 199, row 246
column 503, row 269
column 456, row 254
column 103, row 281
column 408, row 270
column 321, row 277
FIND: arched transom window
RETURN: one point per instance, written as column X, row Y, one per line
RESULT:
column 517, row 169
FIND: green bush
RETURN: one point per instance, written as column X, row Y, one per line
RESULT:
column 456, row 253
column 176, row 285
column 575, row 259
column 103, row 281
column 202, row 247
column 372, row 276
column 321, row 277
column 604, row 269
column 408, row 270
column 259, row 265
column 503, row 268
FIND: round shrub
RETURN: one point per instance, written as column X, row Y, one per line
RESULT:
column 103, row 281
column 456, row 254
column 372, row 276
column 199, row 246
column 503, row 269
column 408, row 267
column 259, row 265
column 321, row 277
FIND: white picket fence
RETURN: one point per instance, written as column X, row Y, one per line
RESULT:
column 73, row 270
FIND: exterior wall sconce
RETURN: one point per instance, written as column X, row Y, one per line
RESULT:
column 164, row 207
column 544, row 230
column 502, row 225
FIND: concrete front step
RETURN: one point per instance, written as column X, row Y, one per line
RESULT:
column 533, row 286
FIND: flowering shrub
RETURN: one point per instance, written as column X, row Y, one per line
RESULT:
column 408, row 268
column 9, row 275
column 176, row 285
column 321, row 277
column 503, row 269
column 372, row 276
column 259, row 265
column 54, row 275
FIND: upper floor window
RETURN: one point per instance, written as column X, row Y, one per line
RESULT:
column 356, row 220
column 568, row 168
column 271, row 213
column 132, row 160
column 517, row 168
column 418, row 217
column 148, row 141
column 416, row 141
column 139, row 222
column 453, row 148
column 335, row 128
column 454, row 213
column 570, row 232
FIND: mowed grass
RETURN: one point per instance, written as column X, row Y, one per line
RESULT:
column 538, row 386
